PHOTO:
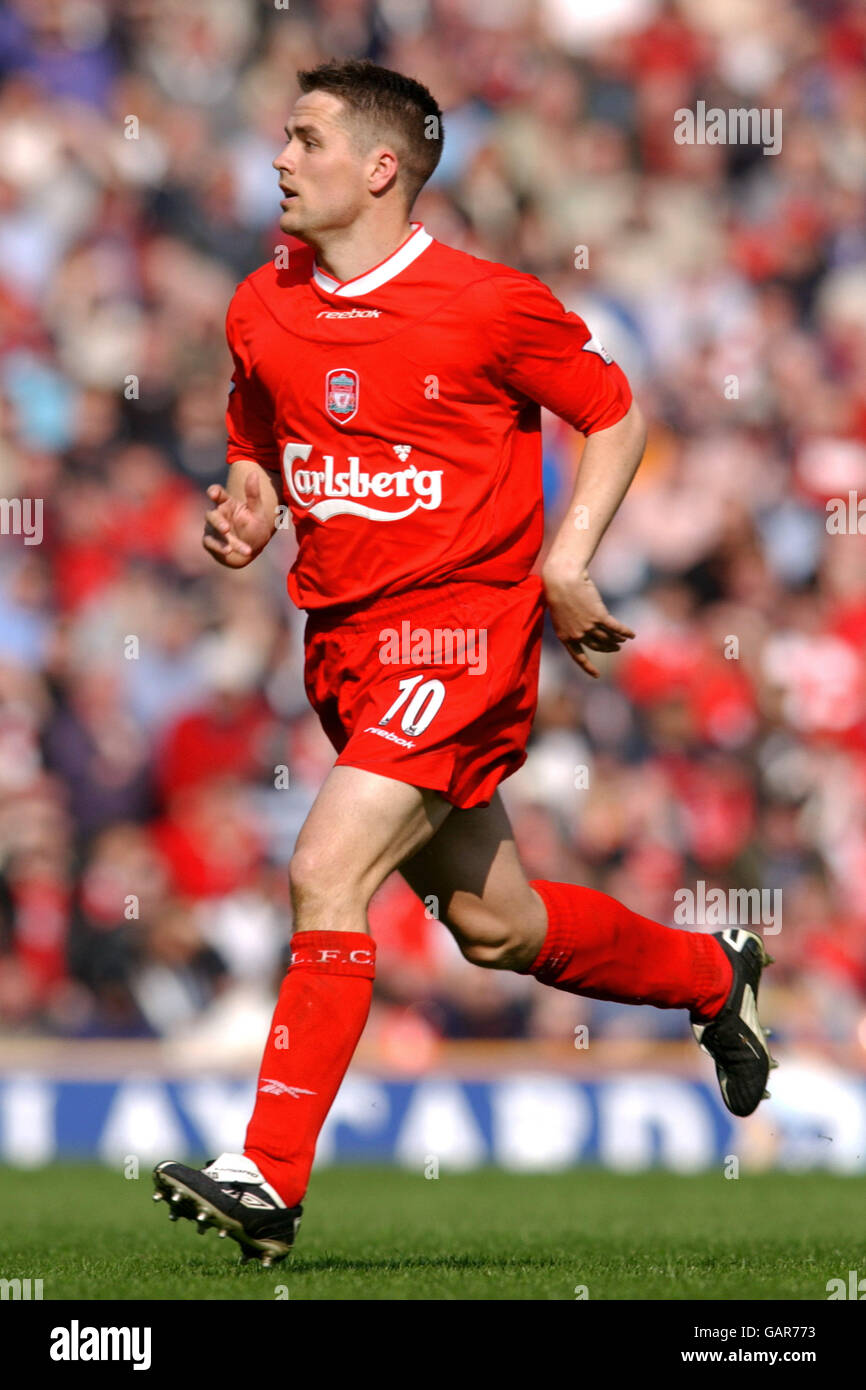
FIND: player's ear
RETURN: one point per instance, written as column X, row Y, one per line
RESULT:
column 383, row 169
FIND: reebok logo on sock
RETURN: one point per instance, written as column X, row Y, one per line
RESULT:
column 277, row 1088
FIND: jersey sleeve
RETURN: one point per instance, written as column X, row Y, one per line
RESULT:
column 249, row 413
column 552, row 358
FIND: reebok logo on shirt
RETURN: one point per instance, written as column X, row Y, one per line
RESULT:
column 348, row 314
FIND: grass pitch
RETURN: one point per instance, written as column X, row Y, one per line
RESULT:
column 375, row 1233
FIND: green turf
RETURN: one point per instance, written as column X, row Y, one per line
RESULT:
column 374, row 1233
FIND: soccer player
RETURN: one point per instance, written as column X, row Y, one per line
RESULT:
column 388, row 389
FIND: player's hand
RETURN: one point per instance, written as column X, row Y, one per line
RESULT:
column 236, row 531
column 581, row 621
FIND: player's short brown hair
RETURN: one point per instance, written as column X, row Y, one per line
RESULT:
column 386, row 103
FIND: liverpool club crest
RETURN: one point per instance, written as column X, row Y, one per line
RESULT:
column 341, row 394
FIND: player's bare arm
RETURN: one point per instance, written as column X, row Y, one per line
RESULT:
column 241, row 522
column 580, row 619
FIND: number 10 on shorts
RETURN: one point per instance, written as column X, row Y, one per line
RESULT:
column 422, row 708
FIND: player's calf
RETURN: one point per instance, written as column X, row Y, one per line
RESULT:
column 498, row 952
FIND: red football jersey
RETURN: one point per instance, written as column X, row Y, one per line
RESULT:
column 402, row 412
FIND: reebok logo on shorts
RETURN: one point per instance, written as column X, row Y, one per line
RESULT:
column 392, row 738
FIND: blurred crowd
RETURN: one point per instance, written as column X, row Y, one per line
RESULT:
column 157, row 755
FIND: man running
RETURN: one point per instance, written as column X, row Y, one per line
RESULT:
column 388, row 389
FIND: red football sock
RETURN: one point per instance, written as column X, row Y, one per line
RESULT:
column 320, row 1015
column 597, row 947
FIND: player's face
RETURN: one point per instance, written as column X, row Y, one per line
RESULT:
column 322, row 175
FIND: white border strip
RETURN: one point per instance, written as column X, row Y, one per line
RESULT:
column 363, row 284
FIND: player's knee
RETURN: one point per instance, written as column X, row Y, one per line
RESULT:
column 312, row 878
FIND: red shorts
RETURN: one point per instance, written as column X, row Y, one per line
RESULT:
column 436, row 688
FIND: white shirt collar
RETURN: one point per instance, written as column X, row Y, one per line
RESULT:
column 405, row 254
